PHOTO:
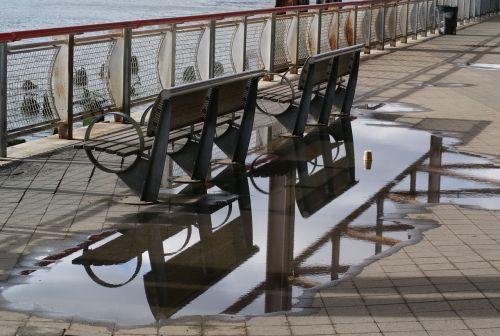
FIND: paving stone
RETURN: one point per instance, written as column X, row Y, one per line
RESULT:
column 356, row 328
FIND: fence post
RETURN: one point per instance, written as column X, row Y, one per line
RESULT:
column 245, row 35
column 368, row 47
column 337, row 38
column 294, row 69
column 404, row 37
column 415, row 33
column 394, row 33
column 69, row 107
column 382, row 44
column 3, row 99
column 211, row 52
column 355, row 28
column 272, row 49
column 127, row 75
column 318, row 42
column 173, row 34
column 426, row 4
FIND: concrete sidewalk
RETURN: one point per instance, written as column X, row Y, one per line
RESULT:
column 448, row 284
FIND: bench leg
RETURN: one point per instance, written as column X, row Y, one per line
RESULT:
column 145, row 177
column 236, row 140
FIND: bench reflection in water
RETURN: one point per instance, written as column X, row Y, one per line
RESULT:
column 178, row 278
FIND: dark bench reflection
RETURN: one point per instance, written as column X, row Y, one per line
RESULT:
column 191, row 271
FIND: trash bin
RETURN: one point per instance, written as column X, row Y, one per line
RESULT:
column 448, row 20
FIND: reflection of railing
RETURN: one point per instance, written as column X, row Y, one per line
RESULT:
column 86, row 70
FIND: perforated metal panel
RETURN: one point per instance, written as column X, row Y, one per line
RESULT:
column 253, row 52
column 304, row 48
column 281, row 54
column 224, row 38
column 144, row 66
column 186, row 67
column 91, row 91
column 30, row 99
column 326, row 23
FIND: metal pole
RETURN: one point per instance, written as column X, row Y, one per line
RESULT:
column 355, row 24
column 394, row 34
column 381, row 47
column 415, row 33
column 71, row 54
column 404, row 39
column 3, row 99
column 297, row 46
column 338, row 30
column 173, row 54
column 272, row 51
column 368, row 47
column 127, row 76
column 318, row 42
column 211, row 50
column 245, row 36
column 426, row 16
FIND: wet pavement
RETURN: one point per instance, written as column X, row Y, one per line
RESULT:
column 306, row 228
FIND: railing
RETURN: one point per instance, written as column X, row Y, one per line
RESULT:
column 57, row 76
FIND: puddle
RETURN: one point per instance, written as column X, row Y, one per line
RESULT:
column 480, row 66
column 439, row 85
column 256, row 240
column 389, row 107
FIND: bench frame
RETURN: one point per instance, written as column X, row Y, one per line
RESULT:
column 144, row 175
column 295, row 117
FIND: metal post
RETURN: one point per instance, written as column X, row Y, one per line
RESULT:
column 395, row 31
column 426, row 16
column 355, row 24
column 338, row 30
column 127, row 76
column 3, row 99
column 415, row 33
column 272, row 50
column 382, row 45
column 71, row 54
column 434, row 185
column 245, row 35
column 211, row 52
column 368, row 47
column 404, row 39
column 294, row 67
column 318, row 42
column 173, row 54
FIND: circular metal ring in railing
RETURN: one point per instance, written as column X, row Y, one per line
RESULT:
column 106, row 284
column 188, row 238
column 91, row 156
column 275, row 106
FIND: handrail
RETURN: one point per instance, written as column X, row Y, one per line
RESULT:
column 58, row 75
column 135, row 24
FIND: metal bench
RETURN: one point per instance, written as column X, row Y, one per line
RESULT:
column 191, row 111
column 318, row 89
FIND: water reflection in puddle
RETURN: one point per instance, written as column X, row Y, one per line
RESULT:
column 480, row 66
column 387, row 107
column 255, row 240
column 438, row 85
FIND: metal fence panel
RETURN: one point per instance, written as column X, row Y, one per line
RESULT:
column 144, row 66
column 30, row 100
column 91, row 85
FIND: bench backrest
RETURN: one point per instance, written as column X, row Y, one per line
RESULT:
column 321, row 65
column 189, row 102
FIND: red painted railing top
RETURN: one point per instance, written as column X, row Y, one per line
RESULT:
column 37, row 33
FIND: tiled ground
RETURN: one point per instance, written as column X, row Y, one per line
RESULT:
column 448, row 284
